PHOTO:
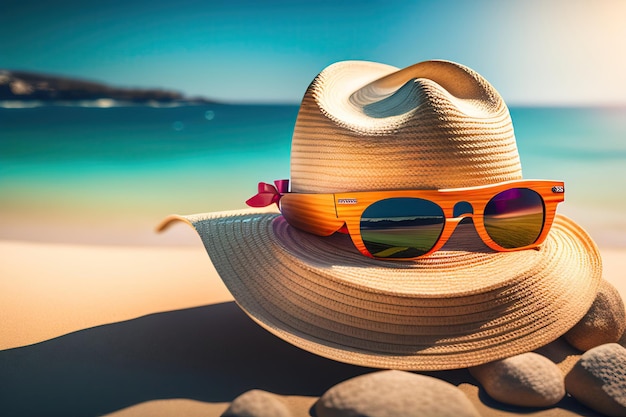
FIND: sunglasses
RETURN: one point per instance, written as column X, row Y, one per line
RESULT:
column 408, row 224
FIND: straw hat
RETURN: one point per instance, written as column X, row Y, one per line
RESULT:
column 369, row 126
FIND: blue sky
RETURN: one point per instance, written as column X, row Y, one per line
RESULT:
column 535, row 52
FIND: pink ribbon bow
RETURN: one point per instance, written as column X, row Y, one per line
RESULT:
column 268, row 194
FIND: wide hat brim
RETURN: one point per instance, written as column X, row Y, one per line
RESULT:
column 462, row 306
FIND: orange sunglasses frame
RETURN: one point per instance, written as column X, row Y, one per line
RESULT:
column 325, row 214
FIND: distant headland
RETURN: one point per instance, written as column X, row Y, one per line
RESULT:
column 30, row 86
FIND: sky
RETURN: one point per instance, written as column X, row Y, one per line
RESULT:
column 535, row 52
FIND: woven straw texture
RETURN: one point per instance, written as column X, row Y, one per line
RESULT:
column 367, row 126
column 462, row 306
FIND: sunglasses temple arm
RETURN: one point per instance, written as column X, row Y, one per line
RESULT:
column 313, row 213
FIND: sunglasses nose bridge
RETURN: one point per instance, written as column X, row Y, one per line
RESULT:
column 449, row 228
column 455, row 220
column 462, row 208
column 456, row 213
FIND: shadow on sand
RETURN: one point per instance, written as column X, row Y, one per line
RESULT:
column 211, row 353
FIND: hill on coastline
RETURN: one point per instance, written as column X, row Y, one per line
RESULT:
column 30, row 86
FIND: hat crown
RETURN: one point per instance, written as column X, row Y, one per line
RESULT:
column 368, row 126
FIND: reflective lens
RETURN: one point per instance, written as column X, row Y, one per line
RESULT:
column 514, row 218
column 401, row 227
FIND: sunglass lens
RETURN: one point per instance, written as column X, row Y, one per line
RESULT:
column 514, row 218
column 401, row 227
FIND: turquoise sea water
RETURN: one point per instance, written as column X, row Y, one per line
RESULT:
column 93, row 174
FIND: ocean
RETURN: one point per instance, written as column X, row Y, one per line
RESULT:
column 105, row 173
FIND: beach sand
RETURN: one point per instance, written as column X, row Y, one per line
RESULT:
column 134, row 331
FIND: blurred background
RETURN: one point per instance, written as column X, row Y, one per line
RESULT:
column 114, row 114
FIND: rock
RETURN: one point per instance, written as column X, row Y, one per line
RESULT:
column 527, row 380
column 598, row 379
column 257, row 403
column 394, row 393
column 605, row 322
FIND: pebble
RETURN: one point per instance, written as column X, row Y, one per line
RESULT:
column 527, row 380
column 605, row 322
column 257, row 403
column 392, row 394
column 598, row 379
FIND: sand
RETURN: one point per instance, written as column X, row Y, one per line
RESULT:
column 134, row 331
